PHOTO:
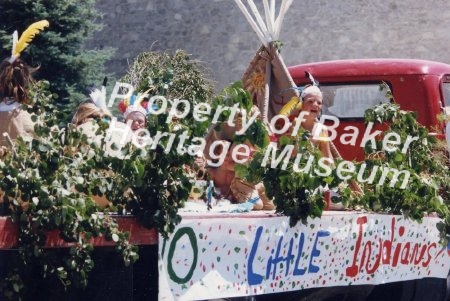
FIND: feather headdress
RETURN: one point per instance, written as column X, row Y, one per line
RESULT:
column 295, row 103
column 314, row 82
column 27, row 36
column 292, row 105
column 136, row 103
column 99, row 96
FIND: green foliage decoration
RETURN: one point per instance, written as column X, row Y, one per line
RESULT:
column 425, row 160
column 299, row 194
column 296, row 194
column 161, row 185
column 231, row 96
column 47, row 184
column 297, row 191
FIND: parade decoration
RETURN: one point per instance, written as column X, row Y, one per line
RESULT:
column 27, row 36
column 267, row 78
column 136, row 103
column 228, row 256
column 98, row 96
column 295, row 104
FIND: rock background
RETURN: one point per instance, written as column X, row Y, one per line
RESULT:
column 216, row 32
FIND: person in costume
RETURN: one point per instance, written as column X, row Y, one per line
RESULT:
column 93, row 109
column 224, row 177
column 135, row 111
column 87, row 117
column 15, row 81
column 312, row 100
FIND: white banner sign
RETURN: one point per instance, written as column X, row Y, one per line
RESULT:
column 223, row 256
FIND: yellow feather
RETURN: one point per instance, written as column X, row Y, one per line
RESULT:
column 28, row 35
column 290, row 106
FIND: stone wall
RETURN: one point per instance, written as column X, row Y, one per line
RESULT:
column 216, row 33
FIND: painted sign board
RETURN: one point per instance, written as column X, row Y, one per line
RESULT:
column 250, row 254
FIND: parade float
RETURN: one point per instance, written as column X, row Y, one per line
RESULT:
column 203, row 247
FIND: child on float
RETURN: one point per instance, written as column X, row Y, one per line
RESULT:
column 223, row 175
column 311, row 102
column 87, row 119
column 135, row 111
column 93, row 109
column 15, row 81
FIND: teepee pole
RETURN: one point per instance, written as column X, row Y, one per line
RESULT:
column 252, row 22
column 280, row 16
column 268, row 15
column 283, row 9
column 259, row 19
column 268, row 77
column 272, row 13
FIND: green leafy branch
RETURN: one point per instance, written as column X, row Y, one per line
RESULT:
column 157, row 180
column 44, row 189
column 425, row 160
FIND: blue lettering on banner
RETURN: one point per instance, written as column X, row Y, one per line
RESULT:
column 275, row 259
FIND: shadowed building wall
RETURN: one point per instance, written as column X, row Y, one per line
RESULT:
column 216, row 33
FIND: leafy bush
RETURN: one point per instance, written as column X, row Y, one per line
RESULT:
column 428, row 189
column 298, row 194
column 47, row 184
column 161, row 186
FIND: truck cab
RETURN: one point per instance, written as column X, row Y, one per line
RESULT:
column 351, row 86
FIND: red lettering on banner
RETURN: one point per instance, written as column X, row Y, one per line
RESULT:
column 427, row 262
column 353, row 270
column 367, row 253
column 370, row 254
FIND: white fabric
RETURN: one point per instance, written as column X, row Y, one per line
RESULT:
column 8, row 107
column 311, row 90
column 133, row 108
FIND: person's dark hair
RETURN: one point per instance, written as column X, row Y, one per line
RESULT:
column 15, row 80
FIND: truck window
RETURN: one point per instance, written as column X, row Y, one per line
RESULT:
column 352, row 100
column 446, row 89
